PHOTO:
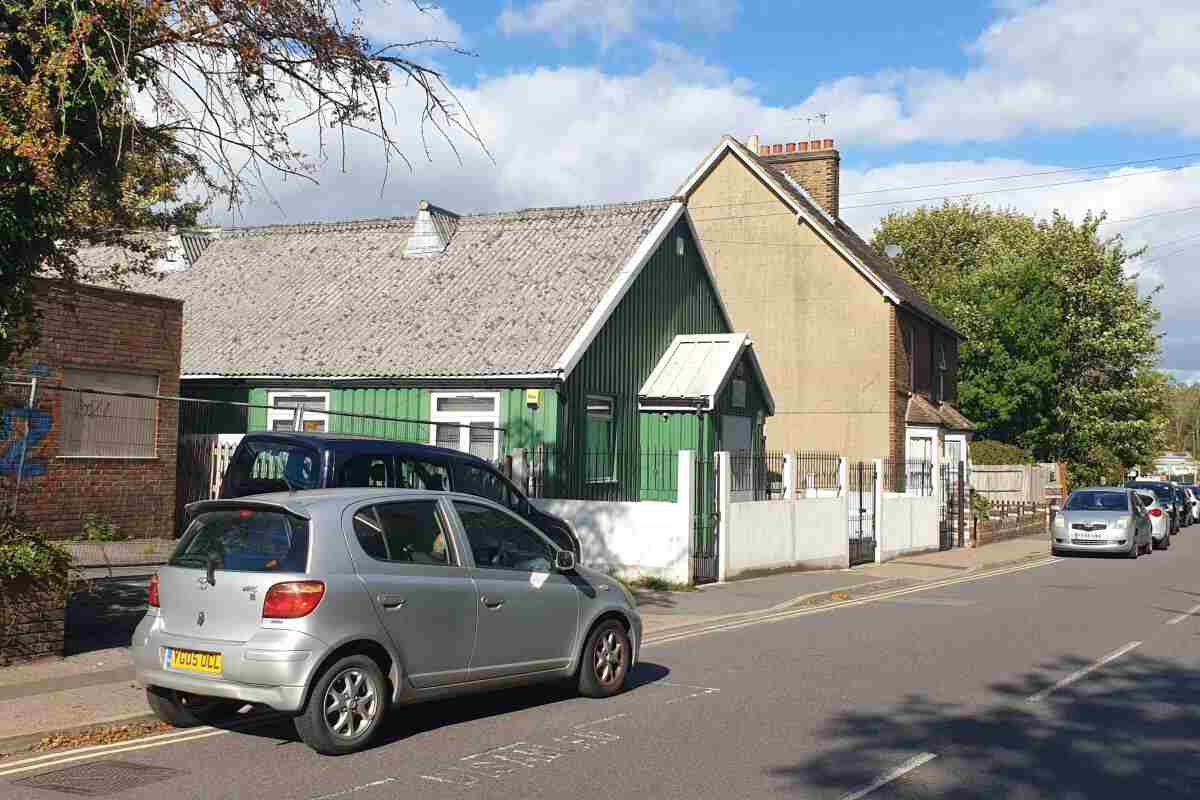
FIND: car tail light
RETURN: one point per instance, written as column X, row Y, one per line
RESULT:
column 292, row 600
column 1156, row 512
column 153, row 600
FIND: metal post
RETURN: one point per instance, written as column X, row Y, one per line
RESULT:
column 24, row 442
column 878, row 512
column 724, row 487
column 789, row 476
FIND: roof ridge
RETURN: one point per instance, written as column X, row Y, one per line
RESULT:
column 382, row 223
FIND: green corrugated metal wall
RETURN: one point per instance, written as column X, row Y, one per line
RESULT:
column 528, row 427
column 672, row 296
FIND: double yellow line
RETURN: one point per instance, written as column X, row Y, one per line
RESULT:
column 195, row 734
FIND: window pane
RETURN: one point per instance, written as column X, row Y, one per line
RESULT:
column 449, row 436
column 109, row 426
column 500, row 541
column 245, row 540
column 483, row 444
column 261, row 469
column 599, row 434
column 406, row 533
column 366, row 470
column 485, row 483
column 473, row 405
column 415, row 474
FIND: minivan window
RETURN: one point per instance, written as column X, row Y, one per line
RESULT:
column 415, row 473
column 262, row 467
column 244, row 540
column 479, row 480
column 367, row 470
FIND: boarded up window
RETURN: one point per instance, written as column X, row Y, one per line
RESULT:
column 98, row 425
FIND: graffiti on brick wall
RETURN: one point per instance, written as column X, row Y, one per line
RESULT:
column 22, row 431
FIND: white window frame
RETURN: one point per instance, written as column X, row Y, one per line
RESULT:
column 933, row 434
column 465, row 418
column 289, row 414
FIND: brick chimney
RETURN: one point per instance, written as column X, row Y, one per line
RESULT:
column 814, row 165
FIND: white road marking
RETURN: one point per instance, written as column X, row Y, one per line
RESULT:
column 127, row 749
column 1191, row 612
column 1082, row 673
column 929, row 601
column 888, row 777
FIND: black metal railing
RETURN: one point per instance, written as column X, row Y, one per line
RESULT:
column 816, row 470
column 908, row 476
column 756, row 476
column 616, row 475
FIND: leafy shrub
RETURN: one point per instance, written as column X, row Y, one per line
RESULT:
column 27, row 557
column 987, row 451
column 99, row 528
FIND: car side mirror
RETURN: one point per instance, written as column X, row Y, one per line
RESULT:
column 564, row 561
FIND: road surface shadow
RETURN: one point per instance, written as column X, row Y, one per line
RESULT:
column 103, row 613
column 406, row 721
column 1128, row 730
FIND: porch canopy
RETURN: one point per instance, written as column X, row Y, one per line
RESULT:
column 696, row 369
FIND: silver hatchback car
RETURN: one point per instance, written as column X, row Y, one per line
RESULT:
column 1103, row 519
column 334, row 605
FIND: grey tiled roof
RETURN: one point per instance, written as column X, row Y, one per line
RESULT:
column 339, row 299
column 878, row 264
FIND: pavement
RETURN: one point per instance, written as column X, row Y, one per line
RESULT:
column 94, row 685
column 1065, row 678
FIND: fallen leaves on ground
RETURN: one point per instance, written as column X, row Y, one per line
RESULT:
column 102, row 734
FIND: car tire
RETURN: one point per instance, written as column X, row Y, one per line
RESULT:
column 604, row 663
column 1166, row 543
column 1135, row 550
column 342, row 688
column 183, row 710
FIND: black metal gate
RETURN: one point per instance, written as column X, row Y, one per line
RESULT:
column 861, row 499
column 705, row 522
column 952, row 520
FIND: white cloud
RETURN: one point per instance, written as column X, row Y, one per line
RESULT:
column 386, row 22
column 1056, row 66
column 611, row 20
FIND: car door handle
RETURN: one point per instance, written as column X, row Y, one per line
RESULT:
column 491, row 603
column 391, row 602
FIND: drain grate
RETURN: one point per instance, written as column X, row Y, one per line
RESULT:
column 99, row 778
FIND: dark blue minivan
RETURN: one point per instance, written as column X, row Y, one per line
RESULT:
column 282, row 461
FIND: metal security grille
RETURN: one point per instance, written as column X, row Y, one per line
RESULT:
column 705, row 523
column 861, row 499
column 99, row 778
column 952, row 519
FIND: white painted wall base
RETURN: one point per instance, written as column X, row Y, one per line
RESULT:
column 785, row 534
column 907, row 525
column 629, row 539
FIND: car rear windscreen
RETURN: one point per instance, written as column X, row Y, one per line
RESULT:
column 1161, row 490
column 262, row 467
column 244, row 540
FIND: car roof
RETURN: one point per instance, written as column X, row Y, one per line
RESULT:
column 350, row 443
column 304, row 501
column 1122, row 489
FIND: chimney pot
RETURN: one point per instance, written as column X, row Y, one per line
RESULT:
column 776, row 149
column 791, row 147
column 815, row 144
column 803, row 147
column 828, row 143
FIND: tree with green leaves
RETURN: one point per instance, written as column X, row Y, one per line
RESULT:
column 122, row 115
column 1061, row 348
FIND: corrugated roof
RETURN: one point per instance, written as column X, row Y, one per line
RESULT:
column 876, row 263
column 693, row 370
column 339, row 299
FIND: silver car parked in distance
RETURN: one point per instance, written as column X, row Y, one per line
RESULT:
column 334, row 605
column 1103, row 519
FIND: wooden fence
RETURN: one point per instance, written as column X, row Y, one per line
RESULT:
column 1019, row 483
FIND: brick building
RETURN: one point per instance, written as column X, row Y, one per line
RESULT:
column 859, row 361
column 89, row 453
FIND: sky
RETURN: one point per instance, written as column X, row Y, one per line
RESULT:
column 593, row 101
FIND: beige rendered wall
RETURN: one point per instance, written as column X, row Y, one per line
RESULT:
column 820, row 329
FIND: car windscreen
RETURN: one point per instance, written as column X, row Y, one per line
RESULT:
column 1098, row 501
column 244, row 540
column 260, row 467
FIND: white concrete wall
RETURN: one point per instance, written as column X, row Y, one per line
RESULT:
column 906, row 525
column 785, row 534
column 630, row 539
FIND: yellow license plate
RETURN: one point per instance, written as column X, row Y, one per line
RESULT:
column 193, row 661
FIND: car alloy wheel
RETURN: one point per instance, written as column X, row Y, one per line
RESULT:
column 610, row 658
column 351, row 704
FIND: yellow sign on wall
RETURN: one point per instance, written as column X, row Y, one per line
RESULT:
column 533, row 397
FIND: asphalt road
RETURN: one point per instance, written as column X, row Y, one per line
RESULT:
column 1074, row 678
